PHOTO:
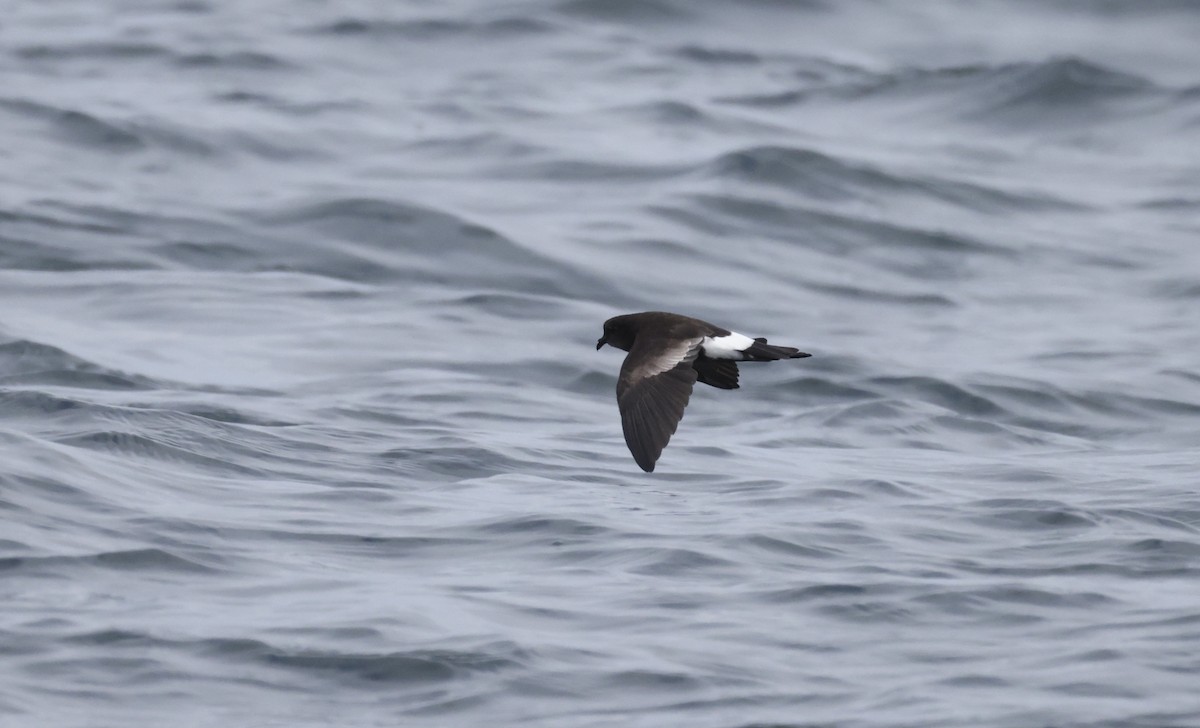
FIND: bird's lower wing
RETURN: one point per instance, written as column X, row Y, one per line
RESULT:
column 653, row 390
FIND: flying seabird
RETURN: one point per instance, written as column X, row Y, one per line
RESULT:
column 668, row 353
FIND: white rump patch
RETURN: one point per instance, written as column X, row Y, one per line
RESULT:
column 726, row 347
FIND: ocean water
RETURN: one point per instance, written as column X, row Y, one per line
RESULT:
column 301, row 421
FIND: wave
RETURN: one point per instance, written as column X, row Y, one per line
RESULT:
column 288, row 663
column 1053, row 91
column 141, row 561
column 1015, row 95
column 93, row 131
column 357, row 240
column 93, row 51
column 821, row 176
column 436, row 29
column 234, row 61
column 27, row 363
column 820, row 230
column 626, row 11
column 386, row 240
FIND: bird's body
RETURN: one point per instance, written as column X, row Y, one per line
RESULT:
column 668, row 353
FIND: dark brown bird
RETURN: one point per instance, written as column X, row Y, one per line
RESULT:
column 668, row 353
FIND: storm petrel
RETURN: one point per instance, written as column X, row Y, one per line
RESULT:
column 668, row 353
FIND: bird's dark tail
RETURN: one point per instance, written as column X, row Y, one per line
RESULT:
column 760, row 350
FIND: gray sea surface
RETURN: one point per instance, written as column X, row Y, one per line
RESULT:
column 301, row 421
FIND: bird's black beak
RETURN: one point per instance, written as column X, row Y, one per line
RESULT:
column 603, row 340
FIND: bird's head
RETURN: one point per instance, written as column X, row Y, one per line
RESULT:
column 618, row 332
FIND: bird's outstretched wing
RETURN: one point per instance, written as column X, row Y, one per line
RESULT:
column 653, row 390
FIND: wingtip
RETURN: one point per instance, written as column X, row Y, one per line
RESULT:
column 644, row 460
column 644, row 465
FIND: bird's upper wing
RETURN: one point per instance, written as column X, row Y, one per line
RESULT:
column 653, row 389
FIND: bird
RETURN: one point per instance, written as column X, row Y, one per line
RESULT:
column 668, row 353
